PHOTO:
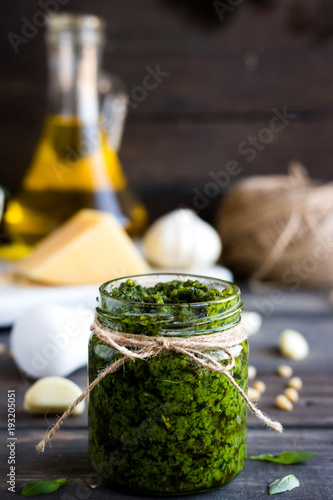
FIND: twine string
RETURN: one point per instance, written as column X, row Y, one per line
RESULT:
column 141, row 347
column 280, row 246
column 271, row 225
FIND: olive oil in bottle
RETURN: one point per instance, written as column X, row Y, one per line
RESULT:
column 74, row 165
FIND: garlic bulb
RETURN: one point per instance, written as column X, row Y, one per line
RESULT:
column 181, row 240
column 51, row 340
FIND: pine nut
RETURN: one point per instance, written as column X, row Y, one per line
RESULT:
column 259, row 386
column 291, row 394
column 285, row 371
column 253, row 394
column 296, row 383
column 283, row 403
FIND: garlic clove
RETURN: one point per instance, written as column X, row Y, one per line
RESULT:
column 293, row 345
column 252, row 372
column 181, row 240
column 252, row 321
column 51, row 340
column 53, row 395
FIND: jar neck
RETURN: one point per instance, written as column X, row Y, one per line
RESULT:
column 181, row 320
column 74, row 52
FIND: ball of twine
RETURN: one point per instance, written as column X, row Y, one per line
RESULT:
column 279, row 228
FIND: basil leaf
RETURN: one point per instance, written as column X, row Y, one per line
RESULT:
column 42, row 487
column 284, row 484
column 287, row 457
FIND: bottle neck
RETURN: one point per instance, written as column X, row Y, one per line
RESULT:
column 73, row 78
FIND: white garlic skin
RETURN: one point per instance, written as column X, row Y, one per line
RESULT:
column 181, row 240
column 51, row 340
column 252, row 321
column 53, row 395
column 293, row 345
column 252, row 372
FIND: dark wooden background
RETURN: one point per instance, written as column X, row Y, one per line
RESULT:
column 225, row 77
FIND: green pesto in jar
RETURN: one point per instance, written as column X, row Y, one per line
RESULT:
column 166, row 425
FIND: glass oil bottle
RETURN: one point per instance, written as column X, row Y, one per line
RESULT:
column 75, row 164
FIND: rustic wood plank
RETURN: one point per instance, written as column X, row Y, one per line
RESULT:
column 183, row 154
column 298, row 304
column 157, row 19
column 209, row 70
column 197, row 82
column 187, row 152
column 316, row 370
column 68, row 458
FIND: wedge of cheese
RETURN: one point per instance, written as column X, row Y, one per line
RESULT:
column 91, row 247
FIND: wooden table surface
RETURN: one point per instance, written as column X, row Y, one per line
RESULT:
column 308, row 427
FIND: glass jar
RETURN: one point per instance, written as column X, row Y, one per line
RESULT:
column 166, row 425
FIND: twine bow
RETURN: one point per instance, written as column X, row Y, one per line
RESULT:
column 133, row 346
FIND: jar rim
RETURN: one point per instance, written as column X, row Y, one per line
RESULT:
column 171, row 319
column 172, row 276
